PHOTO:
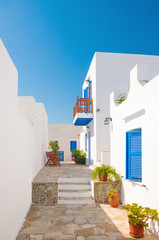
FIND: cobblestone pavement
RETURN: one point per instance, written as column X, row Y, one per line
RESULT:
column 77, row 222
column 67, row 169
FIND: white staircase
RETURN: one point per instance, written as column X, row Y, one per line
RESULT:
column 74, row 191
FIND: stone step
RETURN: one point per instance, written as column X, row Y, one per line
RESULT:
column 76, row 202
column 74, row 180
column 65, row 187
column 75, row 194
column 75, row 198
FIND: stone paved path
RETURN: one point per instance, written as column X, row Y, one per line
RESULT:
column 67, row 169
column 77, row 222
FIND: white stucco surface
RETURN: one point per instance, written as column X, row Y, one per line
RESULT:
column 23, row 136
column 140, row 110
column 64, row 133
column 108, row 72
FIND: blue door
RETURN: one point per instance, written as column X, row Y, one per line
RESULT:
column 61, row 155
column 73, row 145
column 134, row 155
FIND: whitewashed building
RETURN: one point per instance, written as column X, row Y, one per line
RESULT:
column 68, row 138
column 23, row 141
column 134, row 140
column 108, row 72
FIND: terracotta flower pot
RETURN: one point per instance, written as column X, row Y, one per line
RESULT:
column 136, row 231
column 104, row 178
column 114, row 201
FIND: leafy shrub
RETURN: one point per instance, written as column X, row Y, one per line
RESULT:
column 79, row 156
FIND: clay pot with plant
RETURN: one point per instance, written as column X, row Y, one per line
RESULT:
column 105, row 173
column 138, row 217
column 113, row 198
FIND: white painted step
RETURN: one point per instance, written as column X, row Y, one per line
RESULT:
column 76, row 201
column 75, row 194
column 65, row 187
column 74, row 180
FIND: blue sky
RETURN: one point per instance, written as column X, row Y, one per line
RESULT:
column 52, row 42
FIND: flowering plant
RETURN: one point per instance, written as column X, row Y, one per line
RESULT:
column 113, row 193
column 79, row 156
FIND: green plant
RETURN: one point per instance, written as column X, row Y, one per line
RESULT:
column 79, row 156
column 111, row 172
column 113, row 193
column 139, row 215
column 121, row 98
column 54, row 146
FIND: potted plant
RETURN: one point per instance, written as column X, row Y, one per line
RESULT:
column 138, row 217
column 54, row 147
column 113, row 198
column 104, row 173
column 121, row 98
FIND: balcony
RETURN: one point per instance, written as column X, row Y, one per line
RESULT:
column 83, row 112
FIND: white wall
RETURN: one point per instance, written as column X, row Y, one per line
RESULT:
column 19, row 153
column 108, row 72
column 92, row 125
column 140, row 110
column 64, row 133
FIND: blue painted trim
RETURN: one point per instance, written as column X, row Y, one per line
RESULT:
column 86, row 92
column 85, row 141
column 89, row 148
column 90, row 90
column 82, row 121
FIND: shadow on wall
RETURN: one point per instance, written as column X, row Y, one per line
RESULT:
column 154, row 227
column 122, row 193
column 91, row 161
column 92, row 131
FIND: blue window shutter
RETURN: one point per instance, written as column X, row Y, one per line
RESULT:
column 73, row 145
column 134, row 155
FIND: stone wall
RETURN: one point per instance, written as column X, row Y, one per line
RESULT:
column 45, row 193
column 101, row 189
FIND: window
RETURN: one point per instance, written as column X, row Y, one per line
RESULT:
column 73, row 145
column 134, row 155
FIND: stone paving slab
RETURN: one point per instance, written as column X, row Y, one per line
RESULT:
column 77, row 222
column 66, row 170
